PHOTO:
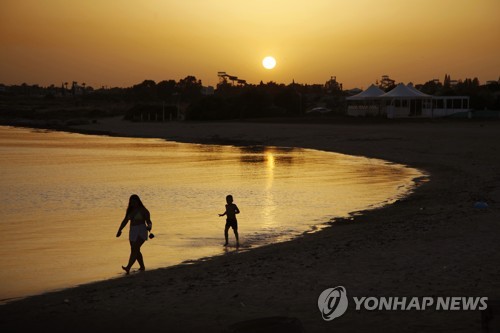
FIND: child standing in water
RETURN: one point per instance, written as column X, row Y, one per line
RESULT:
column 231, row 222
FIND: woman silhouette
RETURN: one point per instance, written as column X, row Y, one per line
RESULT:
column 140, row 224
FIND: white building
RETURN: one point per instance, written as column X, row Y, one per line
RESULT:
column 405, row 101
column 366, row 103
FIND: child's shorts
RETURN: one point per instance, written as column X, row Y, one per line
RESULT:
column 233, row 224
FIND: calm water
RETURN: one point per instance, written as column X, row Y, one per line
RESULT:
column 64, row 195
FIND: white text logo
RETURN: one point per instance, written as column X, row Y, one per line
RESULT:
column 333, row 302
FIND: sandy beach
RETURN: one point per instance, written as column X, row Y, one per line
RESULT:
column 433, row 243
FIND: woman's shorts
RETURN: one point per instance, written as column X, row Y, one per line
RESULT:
column 138, row 231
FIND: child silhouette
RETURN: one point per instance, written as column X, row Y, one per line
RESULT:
column 231, row 222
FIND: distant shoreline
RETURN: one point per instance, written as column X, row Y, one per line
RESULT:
column 101, row 126
column 431, row 243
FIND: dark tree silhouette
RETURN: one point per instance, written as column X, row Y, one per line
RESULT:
column 166, row 90
column 189, row 88
column 386, row 83
column 145, row 90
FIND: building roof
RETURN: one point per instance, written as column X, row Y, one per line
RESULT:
column 411, row 87
column 372, row 92
column 403, row 91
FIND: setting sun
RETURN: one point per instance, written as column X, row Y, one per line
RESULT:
column 269, row 62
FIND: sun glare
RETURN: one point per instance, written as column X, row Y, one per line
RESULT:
column 269, row 62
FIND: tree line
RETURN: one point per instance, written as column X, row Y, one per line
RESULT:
column 150, row 100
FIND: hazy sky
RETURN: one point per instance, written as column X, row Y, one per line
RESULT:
column 123, row 42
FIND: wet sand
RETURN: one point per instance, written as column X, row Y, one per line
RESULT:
column 433, row 243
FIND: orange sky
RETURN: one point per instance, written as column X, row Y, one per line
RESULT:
column 123, row 42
